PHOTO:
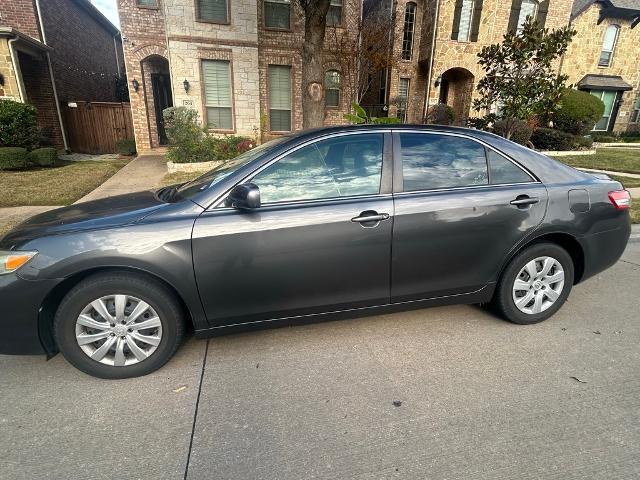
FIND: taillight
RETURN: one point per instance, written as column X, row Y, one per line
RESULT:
column 621, row 199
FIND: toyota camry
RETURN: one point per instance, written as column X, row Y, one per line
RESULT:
column 337, row 220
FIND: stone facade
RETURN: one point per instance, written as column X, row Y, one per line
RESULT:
column 172, row 31
column 454, row 63
column 584, row 52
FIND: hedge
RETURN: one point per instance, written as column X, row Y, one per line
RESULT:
column 18, row 125
column 552, row 139
column 13, row 158
column 44, row 157
column 578, row 113
column 521, row 131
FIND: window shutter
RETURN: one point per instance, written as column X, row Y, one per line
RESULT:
column 543, row 8
column 475, row 23
column 515, row 15
column 279, row 87
column 217, row 83
column 456, row 20
column 212, row 10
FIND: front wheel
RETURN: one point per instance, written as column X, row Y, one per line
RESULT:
column 118, row 325
column 535, row 284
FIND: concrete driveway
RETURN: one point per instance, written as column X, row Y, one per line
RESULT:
column 441, row 393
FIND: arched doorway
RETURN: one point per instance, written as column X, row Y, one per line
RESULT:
column 157, row 92
column 455, row 90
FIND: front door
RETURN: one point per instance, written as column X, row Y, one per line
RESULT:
column 321, row 240
column 460, row 207
column 161, row 85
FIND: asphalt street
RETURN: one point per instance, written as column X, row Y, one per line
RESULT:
column 440, row 393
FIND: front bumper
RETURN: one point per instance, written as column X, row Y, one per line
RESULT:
column 20, row 302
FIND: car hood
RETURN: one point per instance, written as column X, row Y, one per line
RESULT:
column 107, row 212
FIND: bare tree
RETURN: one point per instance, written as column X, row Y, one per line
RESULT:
column 315, row 22
column 362, row 50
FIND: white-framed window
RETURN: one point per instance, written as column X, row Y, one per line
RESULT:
column 635, row 115
column 608, row 45
column 466, row 18
column 334, row 15
column 609, row 99
column 216, row 11
column 332, row 83
column 403, row 98
column 279, row 78
column 218, row 102
column 277, row 14
column 147, row 3
column 529, row 8
column 409, row 27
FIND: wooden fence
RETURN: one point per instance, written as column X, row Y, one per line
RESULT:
column 95, row 127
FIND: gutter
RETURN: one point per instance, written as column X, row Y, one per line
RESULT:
column 16, row 68
column 53, row 82
column 433, row 49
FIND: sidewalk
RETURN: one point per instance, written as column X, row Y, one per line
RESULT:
column 142, row 173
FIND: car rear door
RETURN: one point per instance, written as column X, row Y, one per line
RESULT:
column 460, row 207
column 320, row 241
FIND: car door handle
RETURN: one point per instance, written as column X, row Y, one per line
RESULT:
column 524, row 200
column 375, row 217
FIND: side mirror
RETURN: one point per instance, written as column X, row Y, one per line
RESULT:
column 244, row 196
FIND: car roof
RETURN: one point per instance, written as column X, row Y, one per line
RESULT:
column 388, row 126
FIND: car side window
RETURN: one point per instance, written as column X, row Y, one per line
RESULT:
column 503, row 171
column 431, row 161
column 343, row 166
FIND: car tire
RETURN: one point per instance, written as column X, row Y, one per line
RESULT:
column 535, row 297
column 135, row 350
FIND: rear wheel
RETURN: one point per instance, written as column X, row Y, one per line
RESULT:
column 119, row 325
column 535, row 284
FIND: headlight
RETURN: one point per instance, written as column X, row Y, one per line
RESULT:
column 10, row 261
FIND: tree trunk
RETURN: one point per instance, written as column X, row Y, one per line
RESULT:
column 312, row 59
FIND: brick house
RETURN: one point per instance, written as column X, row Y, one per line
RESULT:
column 435, row 45
column 604, row 59
column 237, row 62
column 56, row 51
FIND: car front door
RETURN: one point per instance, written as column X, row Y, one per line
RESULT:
column 460, row 207
column 320, row 241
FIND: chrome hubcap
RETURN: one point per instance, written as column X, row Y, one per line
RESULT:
column 118, row 330
column 538, row 285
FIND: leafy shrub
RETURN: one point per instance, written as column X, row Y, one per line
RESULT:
column 583, row 142
column 605, row 138
column 520, row 130
column 361, row 116
column 126, row 147
column 13, row 158
column 18, row 125
column 578, row 113
column 629, row 136
column 552, row 139
column 440, row 114
column 188, row 141
column 44, row 157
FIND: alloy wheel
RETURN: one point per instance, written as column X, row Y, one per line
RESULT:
column 538, row 285
column 118, row 330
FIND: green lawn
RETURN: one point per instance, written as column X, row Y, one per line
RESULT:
column 61, row 185
column 179, row 177
column 628, row 182
column 614, row 159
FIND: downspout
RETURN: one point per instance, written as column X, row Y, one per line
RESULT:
column 53, row 82
column 16, row 69
column 433, row 49
column 115, row 49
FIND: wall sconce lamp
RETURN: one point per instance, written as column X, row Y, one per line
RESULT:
column 438, row 81
column 136, row 85
column 186, row 85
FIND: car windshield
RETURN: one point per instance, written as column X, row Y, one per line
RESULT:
column 189, row 189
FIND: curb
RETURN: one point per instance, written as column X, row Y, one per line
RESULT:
column 192, row 167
